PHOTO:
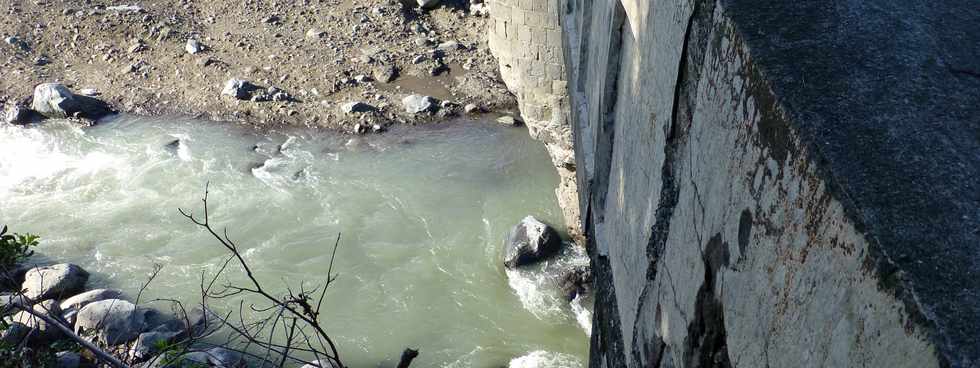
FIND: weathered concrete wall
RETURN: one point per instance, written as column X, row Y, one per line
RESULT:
column 778, row 183
column 526, row 38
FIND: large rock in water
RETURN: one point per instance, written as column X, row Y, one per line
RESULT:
column 81, row 300
column 54, row 100
column 40, row 330
column 529, row 242
column 54, row 281
column 114, row 321
column 20, row 115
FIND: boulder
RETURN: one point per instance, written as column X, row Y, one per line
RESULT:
column 415, row 104
column 14, row 334
column 148, row 344
column 54, row 100
column 20, row 115
column 41, row 331
column 221, row 357
column 198, row 322
column 530, row 241
column 239, row 89
column 54, row 281
column 78, row 301
column 575, row 281
column 194, row 359
column 67, row 359
column 155, row 320
column 114, row 321
column 9, row 302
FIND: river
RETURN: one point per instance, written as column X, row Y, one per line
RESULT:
column 423, row 212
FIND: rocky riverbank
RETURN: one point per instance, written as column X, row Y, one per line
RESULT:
column 340, row 64
column 49, row 308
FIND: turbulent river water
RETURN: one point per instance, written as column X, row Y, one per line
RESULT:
column 423, row 213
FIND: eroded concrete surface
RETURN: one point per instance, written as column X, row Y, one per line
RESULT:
column 526, row 38
column 748, row 206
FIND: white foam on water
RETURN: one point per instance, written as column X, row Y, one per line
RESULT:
column 537, row 295
column 39, row 159
column 545, row 359
column 583, row 314
column 537, row 288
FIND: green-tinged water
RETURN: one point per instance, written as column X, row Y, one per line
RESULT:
column 422, row 211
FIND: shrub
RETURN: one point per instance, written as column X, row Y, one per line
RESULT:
column 15, row 247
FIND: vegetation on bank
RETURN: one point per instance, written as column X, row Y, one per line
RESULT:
column 15, row 247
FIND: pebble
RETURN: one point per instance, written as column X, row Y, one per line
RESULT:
column 415, row 104
column 315, row 33
column 508, row 120
column 356, row 106
column 193, row 46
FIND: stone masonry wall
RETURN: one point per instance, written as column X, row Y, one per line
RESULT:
column 776, row 183
column 526, row 38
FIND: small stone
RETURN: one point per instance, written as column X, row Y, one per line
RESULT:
column 315, row 33
column 471, row 109
column 361, row 78
column 239, row 89
column 449, row 46
column 137, row 47
column 479, row 10
column 193, row 46
column 415, row 104
column 428, row 4
column 509, row 120
column 356, row 106
column 385, row 73
column 272, row 19
column 418, row 59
